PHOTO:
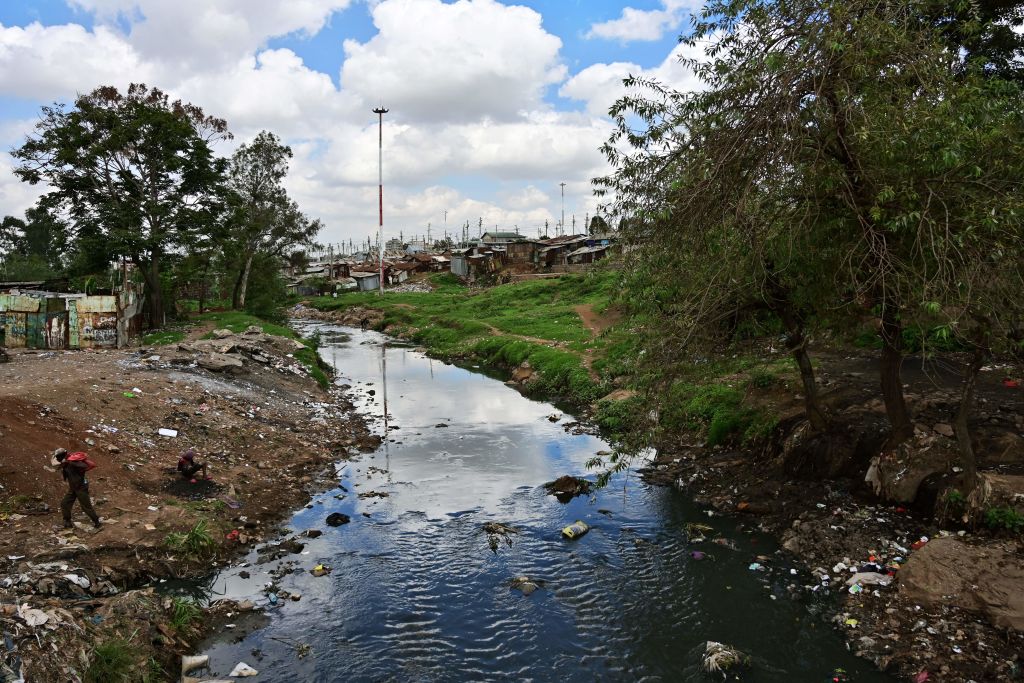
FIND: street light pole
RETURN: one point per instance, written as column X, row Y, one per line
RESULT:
column 380, row 111
column 563, row 207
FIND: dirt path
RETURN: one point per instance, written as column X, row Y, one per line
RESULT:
column 595, row 322
column 268, row 433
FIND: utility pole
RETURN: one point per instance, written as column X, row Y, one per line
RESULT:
column 380, row 111
column 563, row 207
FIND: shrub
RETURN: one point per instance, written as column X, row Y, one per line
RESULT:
column 197, row 542
column 112, row 662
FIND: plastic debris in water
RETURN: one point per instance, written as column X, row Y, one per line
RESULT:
column 576, row 529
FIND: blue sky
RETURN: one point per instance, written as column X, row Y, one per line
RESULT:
column 493, row 104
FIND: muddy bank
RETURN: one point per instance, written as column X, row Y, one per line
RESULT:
column 921, row 593
column 254, row 414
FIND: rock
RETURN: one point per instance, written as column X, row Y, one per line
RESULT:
column 943, row 429
column 896, row 477
column 222, row 333
column 113, row 449
column 523, row 374
column 219, row 362
column 984, row 580
column 312, row 533
column 253, row 329
column 567, row 487
column 440, row 425
column 337, row 519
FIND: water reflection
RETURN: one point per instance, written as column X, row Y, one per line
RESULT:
column 416, row 594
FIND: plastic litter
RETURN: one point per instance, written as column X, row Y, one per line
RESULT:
column 756, row 567
column 320, row 570
column 697, row 554
column 243, row 670
column 192, row 662
column 576, row 529
column 77, row 580
column 170, row 433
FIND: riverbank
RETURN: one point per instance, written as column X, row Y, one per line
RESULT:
column 730, row 441
column 243, row 399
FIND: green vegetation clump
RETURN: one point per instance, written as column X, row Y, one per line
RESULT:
column 1004, row 519
column 163, row 337
column 112, row 662
column 184, row 613
column 716, row 408
column 196, row 543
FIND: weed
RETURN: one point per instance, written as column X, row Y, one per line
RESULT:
column 184, row 613
column 154, row 673
column 761, row 379
column 112, row 662
column 1004, row 518
column 163, row 337
column 196, row 543
column 14, row 503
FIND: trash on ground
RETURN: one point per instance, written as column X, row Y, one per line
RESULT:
column 170, row 433
column 576, row 529
column 192, row 662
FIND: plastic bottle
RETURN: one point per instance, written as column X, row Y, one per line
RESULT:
column 576, row 529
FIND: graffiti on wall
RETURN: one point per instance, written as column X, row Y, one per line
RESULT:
column 97, row 329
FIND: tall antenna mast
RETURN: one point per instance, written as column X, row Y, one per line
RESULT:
column 380, row 111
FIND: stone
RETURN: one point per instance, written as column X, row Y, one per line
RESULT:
column 337, row 519
column 943, row 429
column 219, row 362
column 985, row 580
column 222, row 333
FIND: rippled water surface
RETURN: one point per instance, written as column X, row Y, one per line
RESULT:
column 416, row 594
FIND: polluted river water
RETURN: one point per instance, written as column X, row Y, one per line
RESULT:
column 415, row 592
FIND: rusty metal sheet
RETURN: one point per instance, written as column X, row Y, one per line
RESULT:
column 97, row 304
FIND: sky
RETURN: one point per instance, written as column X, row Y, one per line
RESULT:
column 492, row 105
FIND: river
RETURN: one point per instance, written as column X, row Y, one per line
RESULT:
column 416, row 593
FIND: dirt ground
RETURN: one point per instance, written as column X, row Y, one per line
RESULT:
column 265, row 428
column 922, row 625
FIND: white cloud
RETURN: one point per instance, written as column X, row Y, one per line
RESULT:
column 636, row 24
column 208, row 33
column 433, row 61
column 600, row 85
column 48, row 62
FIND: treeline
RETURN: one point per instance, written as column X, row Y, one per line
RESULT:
column 134, row 178
column 845, row 161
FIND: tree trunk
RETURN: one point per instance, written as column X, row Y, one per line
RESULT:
column 202, row 288
column 154, row 292
column 245, row 279
column 236, row 291
column 892, row 383
column 796, row 343
column 963, row 434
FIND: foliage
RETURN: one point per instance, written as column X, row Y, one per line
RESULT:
column 1004, row 518
column 134, row 171
column 197, row 543
column 112, row 662
column 184, row 613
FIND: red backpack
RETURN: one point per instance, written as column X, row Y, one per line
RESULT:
column 82, row 457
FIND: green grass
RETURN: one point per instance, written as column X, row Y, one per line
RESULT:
column 184, row 613
column 163, row 337
column 112, row 662
column 1004, row 518
column 456, row 322
column 197, row 543
column 13, row 503
column 718, row 410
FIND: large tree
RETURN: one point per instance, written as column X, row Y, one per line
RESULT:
column 135, row 170
column 264, row 219
column 842, row 157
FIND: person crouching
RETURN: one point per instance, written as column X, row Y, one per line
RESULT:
column 188, row 466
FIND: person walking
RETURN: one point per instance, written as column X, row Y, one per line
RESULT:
column 73, row 468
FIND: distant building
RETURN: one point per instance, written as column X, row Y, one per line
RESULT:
column 492, row 238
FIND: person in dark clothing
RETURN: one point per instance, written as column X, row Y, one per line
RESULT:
column 188, row 466
column 73, row 468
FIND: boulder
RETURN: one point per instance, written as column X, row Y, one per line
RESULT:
column 219, row 362
column 986, row 580
column 222, row 333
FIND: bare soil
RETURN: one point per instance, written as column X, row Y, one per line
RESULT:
column 267, row 431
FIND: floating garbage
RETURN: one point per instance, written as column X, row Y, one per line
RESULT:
column 576, row 529
column 719, row 657
column 756, row 567
column 497, row 533
column 526, row 585
column 243, row 670
column 726, row 543
column 567, row 487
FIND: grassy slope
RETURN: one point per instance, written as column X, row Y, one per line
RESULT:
column 505, row 326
